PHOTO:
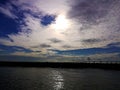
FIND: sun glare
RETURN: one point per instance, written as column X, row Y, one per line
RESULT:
column 61, row 23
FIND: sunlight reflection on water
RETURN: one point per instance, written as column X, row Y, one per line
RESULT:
column 58, row 79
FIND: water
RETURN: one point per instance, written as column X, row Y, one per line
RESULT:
column 12, row 78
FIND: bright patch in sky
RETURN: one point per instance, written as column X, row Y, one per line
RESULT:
column 61, row 24
column 60, row 29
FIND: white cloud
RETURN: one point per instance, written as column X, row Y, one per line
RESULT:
column 45, row 6
column 33, row 33
column 32, row 54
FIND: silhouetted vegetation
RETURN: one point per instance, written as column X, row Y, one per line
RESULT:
column 62, row 65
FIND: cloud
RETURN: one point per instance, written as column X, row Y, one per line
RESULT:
column 54, row 40
column 54, row 7
column 19, row 58
column 7, row 10
column 93, row 24
column 114, row 57
column 89, row 41
column 90, row 11
column 105, row 57
column 45, row 46
column 67, row 46
column 117, row 44
column 29, row 54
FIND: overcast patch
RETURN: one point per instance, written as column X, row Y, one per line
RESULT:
column 91, row 24
column 87, row 11
column 67, row 46
column 91, row 41
column 45, row 46
column 54, row 40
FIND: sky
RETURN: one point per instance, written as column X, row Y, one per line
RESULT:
column 59, row 30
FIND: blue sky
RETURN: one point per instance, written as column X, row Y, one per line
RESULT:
column 43, row 29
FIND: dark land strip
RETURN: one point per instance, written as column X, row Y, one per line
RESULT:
column 61, row 65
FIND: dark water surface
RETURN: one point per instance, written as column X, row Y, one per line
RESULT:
column 18, row 78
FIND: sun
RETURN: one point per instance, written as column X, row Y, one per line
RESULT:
column 61, row 23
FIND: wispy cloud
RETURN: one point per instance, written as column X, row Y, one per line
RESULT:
column 7, row 10
column 91, row 40
column 93, row 24
column 54, row 40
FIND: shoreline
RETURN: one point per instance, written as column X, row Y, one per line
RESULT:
column 61, row 65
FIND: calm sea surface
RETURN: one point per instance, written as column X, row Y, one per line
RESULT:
column 18, row 78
